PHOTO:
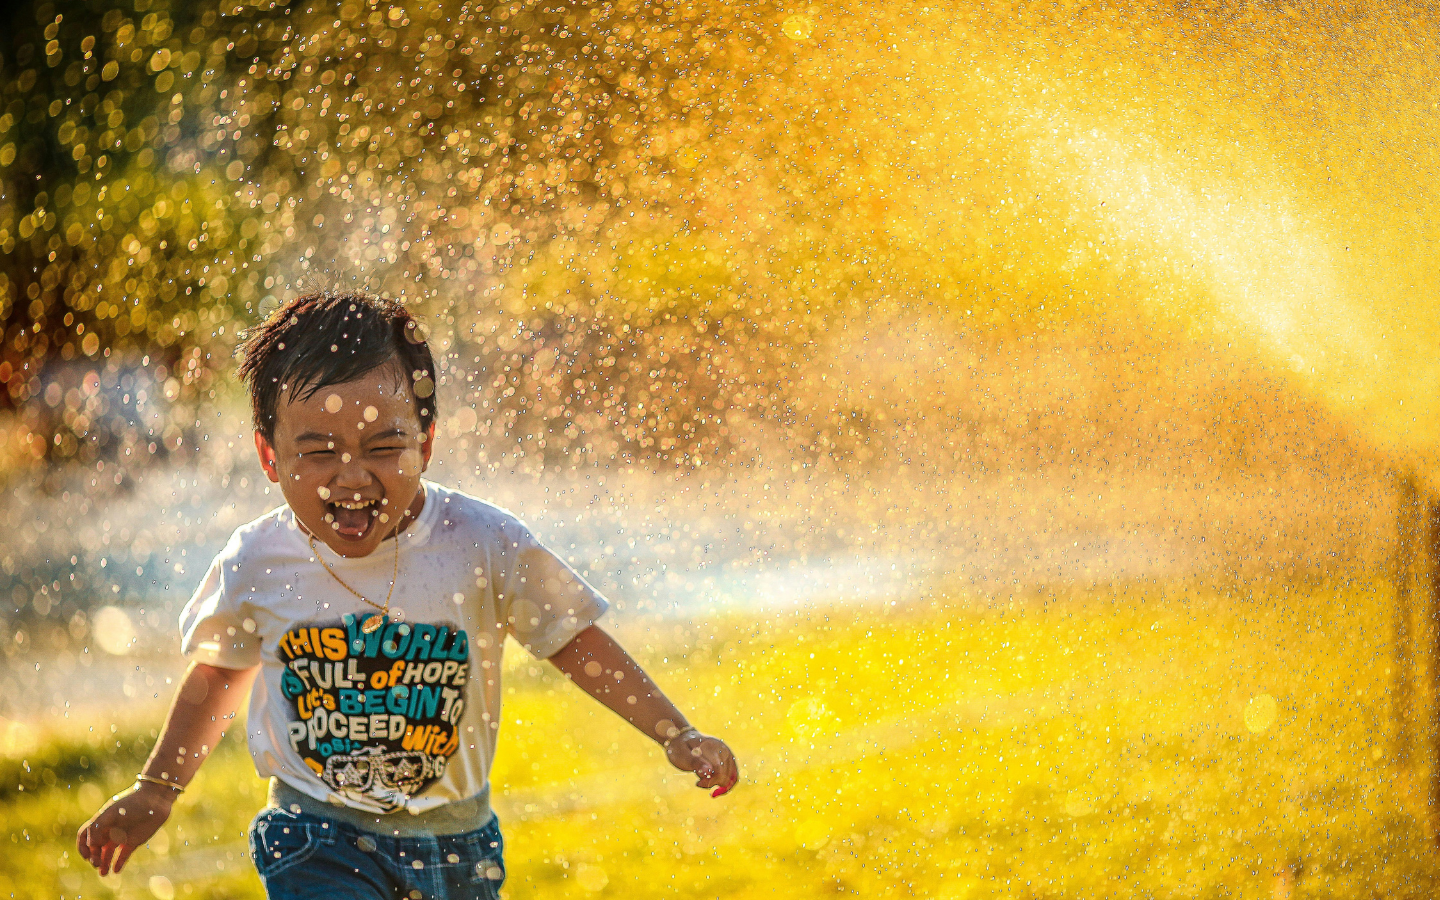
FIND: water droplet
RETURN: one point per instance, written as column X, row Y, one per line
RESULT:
column 591, row 878
column 1260, row 713
column 114, row 631
column 797, row 28
column 1079, row 803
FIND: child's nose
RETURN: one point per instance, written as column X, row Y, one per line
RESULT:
column 352, row 473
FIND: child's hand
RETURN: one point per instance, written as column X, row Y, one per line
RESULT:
column 707, row 757
column 130, row 819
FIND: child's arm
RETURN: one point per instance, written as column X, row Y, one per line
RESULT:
column 602, row 669
column 204, row 703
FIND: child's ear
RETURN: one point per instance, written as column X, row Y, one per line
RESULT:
column 426, row 447
column 267, row 457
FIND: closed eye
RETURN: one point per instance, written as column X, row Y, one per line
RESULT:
column 383, row 442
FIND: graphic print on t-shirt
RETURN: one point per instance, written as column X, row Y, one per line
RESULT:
column 376, row 716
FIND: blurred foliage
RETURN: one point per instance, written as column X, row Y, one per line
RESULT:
column 66, row 761
column 51, row 789
column 642, row 190
column 629, row 221
column 1135, row 740
column 170, row 170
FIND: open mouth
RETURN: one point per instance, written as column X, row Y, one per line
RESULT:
column 352, row 518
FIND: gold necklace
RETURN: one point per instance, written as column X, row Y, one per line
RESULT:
column 371, row 623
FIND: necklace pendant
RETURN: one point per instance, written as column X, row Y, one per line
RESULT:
column 372, row 623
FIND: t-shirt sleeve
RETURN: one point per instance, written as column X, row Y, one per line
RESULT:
column 544, row 603
column 214, row 628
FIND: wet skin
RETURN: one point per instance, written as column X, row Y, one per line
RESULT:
column 348, row 459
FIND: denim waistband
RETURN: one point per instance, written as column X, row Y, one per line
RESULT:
column 458, row 817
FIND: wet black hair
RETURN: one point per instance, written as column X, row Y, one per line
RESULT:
column 324, row 338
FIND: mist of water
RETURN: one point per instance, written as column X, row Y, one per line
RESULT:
column 865, row 297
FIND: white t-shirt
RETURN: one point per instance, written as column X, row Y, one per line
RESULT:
column 405, row 717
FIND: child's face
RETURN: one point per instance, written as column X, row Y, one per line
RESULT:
column 348, row 459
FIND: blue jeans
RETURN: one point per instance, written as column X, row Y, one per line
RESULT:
column 306, row 857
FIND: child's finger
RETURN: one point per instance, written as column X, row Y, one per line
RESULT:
column 106, row 853
column 727, row 781
column 93, row 845
column 732, row 772
column 720, row 760
column 732, row 775
column 715, row 764
column 123, row 856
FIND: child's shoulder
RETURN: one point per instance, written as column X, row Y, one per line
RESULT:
column 450, row 510
column 273, row 532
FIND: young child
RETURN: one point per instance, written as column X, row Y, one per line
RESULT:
column 370, row 612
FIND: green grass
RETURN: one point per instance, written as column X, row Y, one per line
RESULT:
column 1086, row 745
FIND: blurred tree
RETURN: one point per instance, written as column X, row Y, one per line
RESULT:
column 617, row 215
column 170, row 171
